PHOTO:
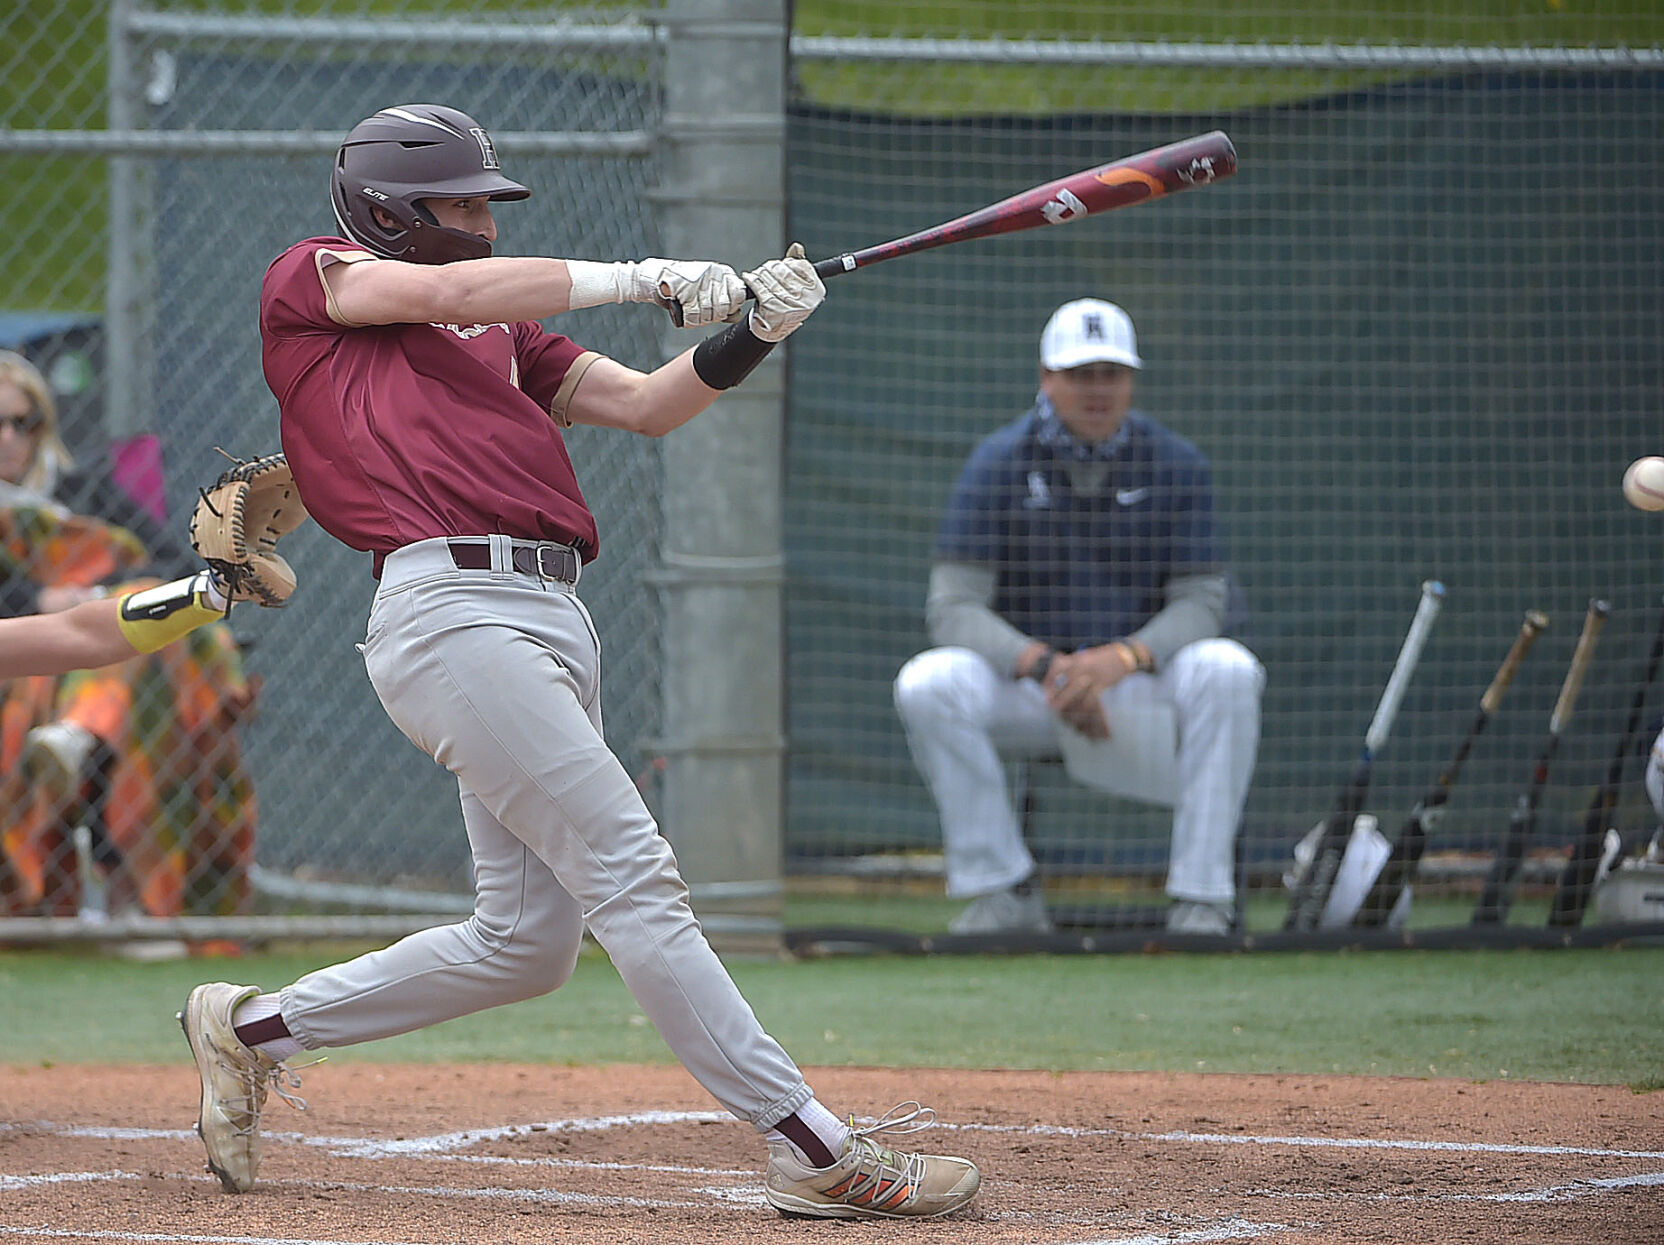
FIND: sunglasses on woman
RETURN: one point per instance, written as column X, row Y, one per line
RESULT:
column 21, row 424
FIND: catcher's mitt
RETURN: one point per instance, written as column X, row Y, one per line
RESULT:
column 238, row 522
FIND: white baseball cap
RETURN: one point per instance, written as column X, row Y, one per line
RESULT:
column 1088, row 330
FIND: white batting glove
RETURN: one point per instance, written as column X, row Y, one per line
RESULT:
column 788, row 291
column 695, row 292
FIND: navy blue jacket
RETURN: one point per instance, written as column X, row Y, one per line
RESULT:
column 1081, row 569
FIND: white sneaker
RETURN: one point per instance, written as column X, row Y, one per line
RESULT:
column 1187, row 916
column 870, row 1182
column 56, row 755
column 235, row 1079
column 1004, row 912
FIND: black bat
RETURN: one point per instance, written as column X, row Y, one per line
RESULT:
column 1498, row 894
column 1577, row 880
column 1312, row 890
column 1399, row 871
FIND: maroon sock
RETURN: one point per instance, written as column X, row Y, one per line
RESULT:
column 258, row 1031
column 806, row 1140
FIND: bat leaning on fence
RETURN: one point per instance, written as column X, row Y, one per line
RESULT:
column 1311, row 892
column 1498, row 894
column 1399, row 871
column 1577, row 880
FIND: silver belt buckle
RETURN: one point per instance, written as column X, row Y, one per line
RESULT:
column 551, row 564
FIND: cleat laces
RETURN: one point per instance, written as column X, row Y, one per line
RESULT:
column 884, row 1176
column 242, row 1112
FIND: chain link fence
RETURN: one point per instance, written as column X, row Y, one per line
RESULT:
column 214, row 128
column 1416, row 336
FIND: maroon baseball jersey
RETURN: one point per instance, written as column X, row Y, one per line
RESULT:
column 401, row 432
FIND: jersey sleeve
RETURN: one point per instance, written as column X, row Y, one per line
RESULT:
column 294, row 298
column 550, row 367
column 1195, row 547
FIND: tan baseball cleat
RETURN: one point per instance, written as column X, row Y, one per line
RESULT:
column 869, row 1181
column 235, row 1080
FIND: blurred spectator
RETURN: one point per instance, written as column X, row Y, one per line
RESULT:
column 1078, row 589
column 141, row 757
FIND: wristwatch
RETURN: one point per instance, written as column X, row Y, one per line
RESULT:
column 1039, row 669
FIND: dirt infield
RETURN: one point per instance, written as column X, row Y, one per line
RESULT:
column 493, row 1153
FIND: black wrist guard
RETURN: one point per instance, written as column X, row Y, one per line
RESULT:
column 726, row 359
column 1042, row 666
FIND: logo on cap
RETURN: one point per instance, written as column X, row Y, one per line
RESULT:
column 488, row 153
column 1092, row 327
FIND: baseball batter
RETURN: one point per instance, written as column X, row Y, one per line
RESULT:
column 422, row 411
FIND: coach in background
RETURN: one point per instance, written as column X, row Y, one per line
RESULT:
column 1076, row 580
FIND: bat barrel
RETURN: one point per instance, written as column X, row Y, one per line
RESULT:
column 1184, row 165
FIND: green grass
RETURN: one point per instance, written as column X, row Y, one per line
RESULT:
column 957, row 90
column 919, row 907
column 1590, row 1016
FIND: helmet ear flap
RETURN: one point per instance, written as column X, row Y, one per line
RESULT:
column 356, row 211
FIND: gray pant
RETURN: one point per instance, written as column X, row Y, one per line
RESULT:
column 496, row 675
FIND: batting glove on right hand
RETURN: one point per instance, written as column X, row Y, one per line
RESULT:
column 695, row 292
column 788, row 291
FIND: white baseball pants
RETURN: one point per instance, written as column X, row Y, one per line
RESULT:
column 1655, row 775
column 497, row 676
column 962, row 717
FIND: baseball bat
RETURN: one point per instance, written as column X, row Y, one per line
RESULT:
column 1498, row 893
column 1577, row 880
column 1184, row 165
column 1312, row 890
column 1399, row 871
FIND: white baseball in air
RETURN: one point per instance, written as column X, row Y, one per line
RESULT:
column 1644, row 483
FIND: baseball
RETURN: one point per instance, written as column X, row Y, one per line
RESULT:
column 1644, row 483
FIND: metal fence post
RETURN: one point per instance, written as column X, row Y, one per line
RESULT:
column 722, row 197
column 125, row 301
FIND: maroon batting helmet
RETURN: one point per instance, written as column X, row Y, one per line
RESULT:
column 403, row 155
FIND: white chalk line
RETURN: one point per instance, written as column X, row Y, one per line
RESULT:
column 1342, row 1143
column 1230, row 1230
column 440, row 1148
column 548, row 1196
column 185, row 1238
column 1553, row 1193
column 437, row 1144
